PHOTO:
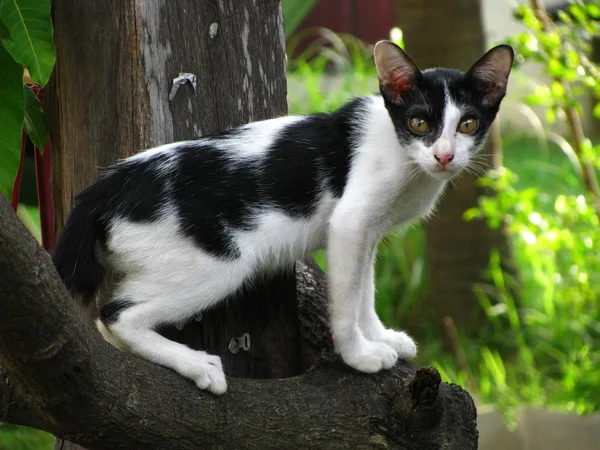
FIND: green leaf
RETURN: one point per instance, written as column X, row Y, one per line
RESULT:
column 593, row 10
column 294, row 11
column 4, row 33
column 12, row 109
column 33, row 121
column 31, row 36
column 558, row 90
column 597, row 111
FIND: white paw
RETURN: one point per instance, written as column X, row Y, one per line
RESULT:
column 367, row 356
column 401, row 342
column 207, row 373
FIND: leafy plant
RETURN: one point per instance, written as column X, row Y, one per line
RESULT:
column 544, row 349
column 562, row 50
column 26, row 37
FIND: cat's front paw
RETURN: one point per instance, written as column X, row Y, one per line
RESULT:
column 367, row 356
column 401, row 342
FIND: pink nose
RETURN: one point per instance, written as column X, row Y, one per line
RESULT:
column 444, row 158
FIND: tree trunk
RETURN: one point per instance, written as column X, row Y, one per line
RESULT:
column 109, row 98
column 450, row 34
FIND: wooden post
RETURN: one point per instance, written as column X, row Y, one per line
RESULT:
column 109, row 98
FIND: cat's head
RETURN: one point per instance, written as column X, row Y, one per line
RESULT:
column 442, row 116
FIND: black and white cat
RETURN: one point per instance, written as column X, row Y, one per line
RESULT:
column 187, row 224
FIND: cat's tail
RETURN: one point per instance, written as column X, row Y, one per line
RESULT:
column 76, row 253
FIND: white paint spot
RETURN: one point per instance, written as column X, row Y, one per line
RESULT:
column 212, row 30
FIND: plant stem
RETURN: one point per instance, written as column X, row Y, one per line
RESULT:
column 588, row 173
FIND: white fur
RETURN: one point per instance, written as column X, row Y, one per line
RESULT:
column 387, row 186
column 450, row 141
column 259, row 134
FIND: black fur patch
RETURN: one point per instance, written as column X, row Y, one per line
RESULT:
column 110, row 312
column 216, row 194
column 137, row 189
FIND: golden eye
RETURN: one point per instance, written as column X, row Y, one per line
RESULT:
column 418, row 125
column 468, row 126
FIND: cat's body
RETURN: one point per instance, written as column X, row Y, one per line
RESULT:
column 188, row 224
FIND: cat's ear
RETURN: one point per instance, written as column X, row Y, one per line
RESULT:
column 490, row 74
column 397, row 72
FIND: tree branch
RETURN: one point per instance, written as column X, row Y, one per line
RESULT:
column 74, row 385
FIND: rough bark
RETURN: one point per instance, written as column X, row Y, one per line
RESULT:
column 450, row 34
column 74, row 385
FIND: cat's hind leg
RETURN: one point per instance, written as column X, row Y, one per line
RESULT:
column 132, row 329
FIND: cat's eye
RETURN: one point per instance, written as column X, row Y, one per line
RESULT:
column 468, row 126
column 418, row 125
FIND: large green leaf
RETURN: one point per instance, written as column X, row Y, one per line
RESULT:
column 4, row 33
column 33, row 121
column 31, row 36
column 294, row 11
column 12, row 110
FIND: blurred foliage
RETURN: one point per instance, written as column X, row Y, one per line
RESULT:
column 26, row 43
column 543, row 348
column 294, row 12
column 22, row 438
column 551, row 335
column 563, row 52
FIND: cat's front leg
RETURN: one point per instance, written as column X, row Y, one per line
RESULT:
column 348, row 260
column 370, row 323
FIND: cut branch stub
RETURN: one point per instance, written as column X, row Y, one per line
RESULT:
column 423, row 409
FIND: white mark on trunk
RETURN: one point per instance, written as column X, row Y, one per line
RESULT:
column 280, row 26
column 212, row 30
column 245, row 37
column 155, row 51
column 247, row 86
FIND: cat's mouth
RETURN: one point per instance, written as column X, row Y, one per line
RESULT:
column 442, row 172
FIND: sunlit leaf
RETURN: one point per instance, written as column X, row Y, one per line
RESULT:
column 593, row 10
column 31, row 36
column 597, row 111
column 11, row 120
column 558, row 90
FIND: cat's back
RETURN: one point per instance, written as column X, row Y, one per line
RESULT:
column 276, row 180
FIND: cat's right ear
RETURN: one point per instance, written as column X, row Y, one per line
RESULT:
column 397, row 72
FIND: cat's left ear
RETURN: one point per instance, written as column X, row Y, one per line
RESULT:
column 490, row 74
column 397, row 72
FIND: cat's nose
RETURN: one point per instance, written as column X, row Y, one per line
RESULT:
column 444, row 158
